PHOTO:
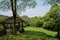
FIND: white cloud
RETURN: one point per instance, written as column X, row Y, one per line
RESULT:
column 38, row 11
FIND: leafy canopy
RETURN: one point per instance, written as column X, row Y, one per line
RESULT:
column 52, row 2
column 21, row 4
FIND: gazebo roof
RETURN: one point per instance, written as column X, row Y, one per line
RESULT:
column 10, row 20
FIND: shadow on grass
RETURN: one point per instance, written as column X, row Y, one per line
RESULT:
column 36, row 33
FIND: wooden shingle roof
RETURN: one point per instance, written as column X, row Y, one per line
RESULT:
column 10, row 20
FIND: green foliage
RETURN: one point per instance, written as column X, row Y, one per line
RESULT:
column 51, row 17
column 52, row 2
column 26, row 19
column 1, row 26
column 2, row 18
column 55, row 12
column 39, row 23
column 33, row 21
column 21, row 4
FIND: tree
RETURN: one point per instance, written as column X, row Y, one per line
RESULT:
column 13, row 5
column 55, row 11
column 54, row 14
column 52, row 2
column 16, row 5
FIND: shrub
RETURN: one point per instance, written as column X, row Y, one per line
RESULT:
column 50, row 26
column 39, row 24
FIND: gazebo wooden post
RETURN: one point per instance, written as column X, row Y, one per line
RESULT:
column 22, row 24
column 4, row 27
column 22, row 27
column 19, row 25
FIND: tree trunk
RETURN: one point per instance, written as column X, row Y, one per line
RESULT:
column 13, row 5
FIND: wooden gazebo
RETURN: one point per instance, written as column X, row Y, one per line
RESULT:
column 8, row 24
column 19, row 23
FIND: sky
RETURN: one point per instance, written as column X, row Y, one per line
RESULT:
column 39, row 10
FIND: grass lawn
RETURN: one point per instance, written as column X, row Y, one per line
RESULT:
column 32, row 33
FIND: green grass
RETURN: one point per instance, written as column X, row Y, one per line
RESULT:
column 32, row 33
column 41, row 30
